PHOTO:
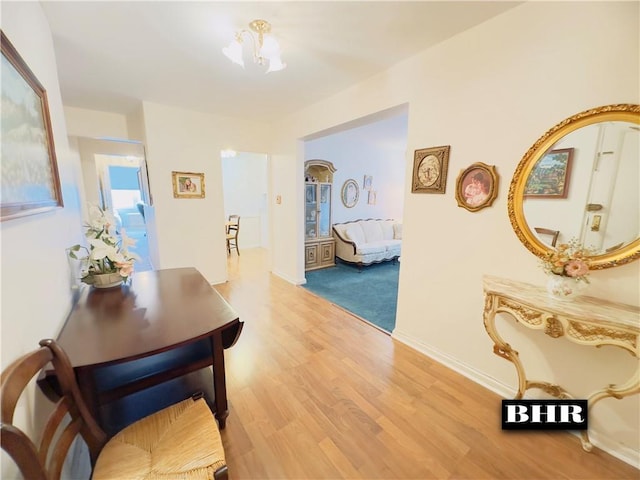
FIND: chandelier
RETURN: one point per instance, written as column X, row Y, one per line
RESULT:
column 265, row 47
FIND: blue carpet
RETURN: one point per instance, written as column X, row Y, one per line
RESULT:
column 371, row 294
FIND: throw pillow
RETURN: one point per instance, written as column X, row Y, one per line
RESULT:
column 397, row 231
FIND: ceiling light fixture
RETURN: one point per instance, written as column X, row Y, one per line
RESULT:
column 265, row 47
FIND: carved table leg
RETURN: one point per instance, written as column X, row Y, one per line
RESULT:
column 629, row 387
column 502, row 348
column 552, row 389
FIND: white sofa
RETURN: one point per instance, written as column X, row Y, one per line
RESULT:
column 364, row 242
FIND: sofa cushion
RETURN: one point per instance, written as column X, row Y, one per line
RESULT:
column 370, row 248
column 397, row 231
column 393, row 247
column 387, row 229
column 372, row 230
column 354, row 233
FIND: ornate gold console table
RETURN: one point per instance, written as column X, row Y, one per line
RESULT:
column 585, row 320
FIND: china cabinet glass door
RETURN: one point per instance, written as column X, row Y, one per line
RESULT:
column 310, row 210
column 324, row 222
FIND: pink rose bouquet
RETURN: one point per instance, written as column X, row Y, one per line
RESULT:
column 569, row 260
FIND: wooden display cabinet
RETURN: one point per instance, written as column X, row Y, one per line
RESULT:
column 319, row 244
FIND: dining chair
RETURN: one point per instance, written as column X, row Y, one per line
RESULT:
column 546, row 231
column 180, row 441
column 233, row 230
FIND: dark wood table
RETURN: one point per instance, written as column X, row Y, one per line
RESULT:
column 165, row 325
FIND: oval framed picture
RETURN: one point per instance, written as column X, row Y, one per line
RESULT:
column 477, row 186
column 350, row 193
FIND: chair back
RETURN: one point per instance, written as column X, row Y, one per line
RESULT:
column 69, row 418
column 546, row 231
column 234, row 224
column 233, row 229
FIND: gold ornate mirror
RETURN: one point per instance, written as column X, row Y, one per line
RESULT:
column 580, row 181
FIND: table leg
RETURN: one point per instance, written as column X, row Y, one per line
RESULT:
column 219, row 379
column 502, row 348
column 630, row 387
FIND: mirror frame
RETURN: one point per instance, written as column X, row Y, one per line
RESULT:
column 621, row 113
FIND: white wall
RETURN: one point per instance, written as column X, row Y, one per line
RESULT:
column 491, row 106
column 91, row 123
column 35, row 286
column 244, row 181
column 377, row 149
column 191, row 231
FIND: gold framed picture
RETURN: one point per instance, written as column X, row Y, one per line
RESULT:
column 188, row 185
column 550, row 175
column 430, row 167
column 477, row 186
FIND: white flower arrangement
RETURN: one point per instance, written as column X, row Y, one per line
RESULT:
column 106, row 253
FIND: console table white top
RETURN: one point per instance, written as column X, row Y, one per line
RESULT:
column 597, row 310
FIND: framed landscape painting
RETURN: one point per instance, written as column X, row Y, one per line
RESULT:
column 550, row 175
column 28, row 168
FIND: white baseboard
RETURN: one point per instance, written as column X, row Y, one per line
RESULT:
column 289, row 279
column 603, row 442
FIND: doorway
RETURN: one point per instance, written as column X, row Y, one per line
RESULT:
column 121, row 192
column 115, row 178
column 245, row 191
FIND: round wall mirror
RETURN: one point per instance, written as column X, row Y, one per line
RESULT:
column 580, row 181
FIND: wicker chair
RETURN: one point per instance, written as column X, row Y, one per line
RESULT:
column 180, row 441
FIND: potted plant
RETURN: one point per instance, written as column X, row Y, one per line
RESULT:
column 108, row 261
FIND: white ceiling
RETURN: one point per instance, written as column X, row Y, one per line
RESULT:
column 112, row 55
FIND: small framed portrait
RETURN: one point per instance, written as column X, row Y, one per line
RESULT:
column 550, row 175
column 477, row 186
column 350, row 193
column 367, row 182
column 371, row 198
column 188, row 185
column 430, row 170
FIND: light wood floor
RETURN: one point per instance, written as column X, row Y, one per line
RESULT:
column 315, row 393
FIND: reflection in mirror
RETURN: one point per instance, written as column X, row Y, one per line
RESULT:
column 601, row 200
column 581, row 179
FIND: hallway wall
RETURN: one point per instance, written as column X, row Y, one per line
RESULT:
column 491, row 107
